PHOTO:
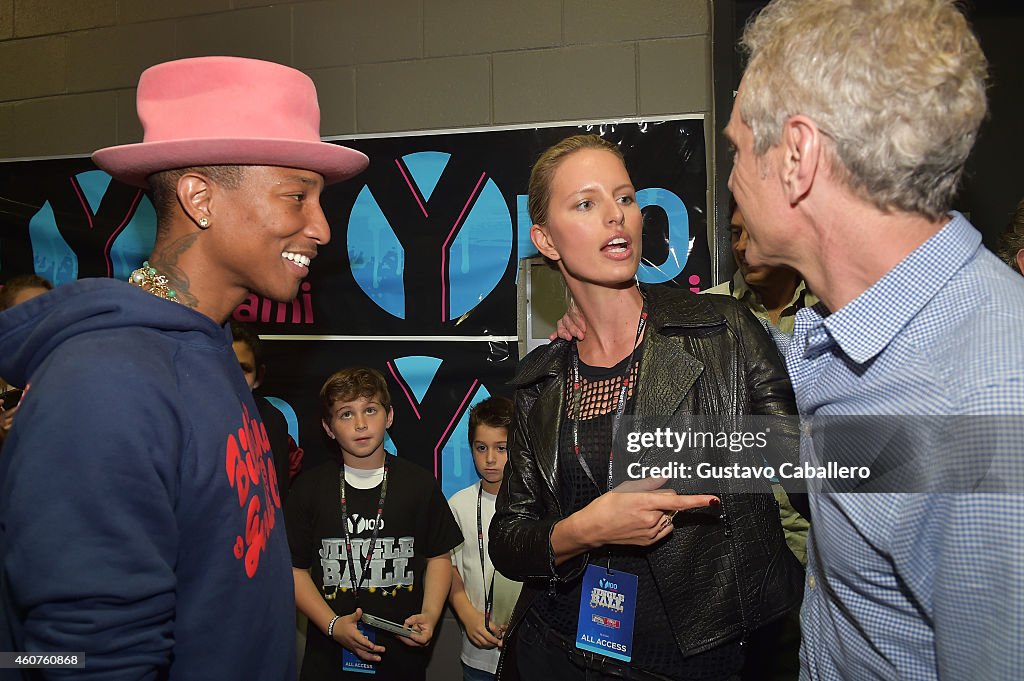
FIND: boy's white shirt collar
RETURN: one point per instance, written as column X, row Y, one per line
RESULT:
column 487, row 495
column 363, row 478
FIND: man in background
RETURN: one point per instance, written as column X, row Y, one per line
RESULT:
column 773, row 294
column 1011, row 242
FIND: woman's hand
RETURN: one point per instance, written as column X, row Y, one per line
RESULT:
column 635, row 513
column 347, row 633
column 637, row 518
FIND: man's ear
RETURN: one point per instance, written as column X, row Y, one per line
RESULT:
column 1020, row 260
column 327, row 429
column 261, row 373
column 195, row 195
column 802, row 149
column 391, row 417
column 541, row 238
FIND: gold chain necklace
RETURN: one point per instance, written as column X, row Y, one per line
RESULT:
column 148, row 279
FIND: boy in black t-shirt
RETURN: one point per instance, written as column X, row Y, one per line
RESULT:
column 369, row 536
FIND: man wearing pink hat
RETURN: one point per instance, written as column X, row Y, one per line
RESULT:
column 140, row 520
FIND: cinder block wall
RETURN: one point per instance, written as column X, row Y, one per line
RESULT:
column 69, row 69
column 69, row 66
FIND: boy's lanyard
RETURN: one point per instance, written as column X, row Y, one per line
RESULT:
column 488, row 591
column 577, row 403
column 348, row 537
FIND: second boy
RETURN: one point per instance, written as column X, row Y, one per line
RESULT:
column 481, row 597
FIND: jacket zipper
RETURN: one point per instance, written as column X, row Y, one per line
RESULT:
column 735, row 572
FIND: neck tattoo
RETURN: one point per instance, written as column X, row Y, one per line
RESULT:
column 149, row 279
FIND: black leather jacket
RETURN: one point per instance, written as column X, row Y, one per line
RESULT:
column 703, row 355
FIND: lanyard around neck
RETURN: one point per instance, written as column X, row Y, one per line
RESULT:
column 488, row 590
column 620, row 408
column 365, row 568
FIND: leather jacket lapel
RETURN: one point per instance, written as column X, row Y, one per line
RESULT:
column 545, row 418
column 668, row 374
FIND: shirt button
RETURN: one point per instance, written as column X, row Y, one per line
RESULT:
column 811, row 581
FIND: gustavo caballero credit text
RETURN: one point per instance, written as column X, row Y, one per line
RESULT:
column 822, row 453
column 708, row 471
column 743, row 453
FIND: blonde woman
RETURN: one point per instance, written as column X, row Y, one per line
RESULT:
column 703, row 581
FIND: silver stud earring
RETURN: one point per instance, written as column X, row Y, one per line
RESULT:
column 204, row 223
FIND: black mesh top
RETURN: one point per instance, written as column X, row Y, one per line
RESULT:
column 654, row 648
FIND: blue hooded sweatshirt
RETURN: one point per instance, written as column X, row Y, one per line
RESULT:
column 140, row 520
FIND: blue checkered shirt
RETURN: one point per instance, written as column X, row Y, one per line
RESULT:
column 914, row 585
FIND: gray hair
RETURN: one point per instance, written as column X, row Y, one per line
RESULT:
column 896, row 86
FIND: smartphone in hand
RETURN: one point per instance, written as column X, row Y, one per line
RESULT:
column 388, row 625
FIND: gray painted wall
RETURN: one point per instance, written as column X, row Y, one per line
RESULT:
column 70, row 66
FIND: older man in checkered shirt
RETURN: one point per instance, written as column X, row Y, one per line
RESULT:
column 851, row 128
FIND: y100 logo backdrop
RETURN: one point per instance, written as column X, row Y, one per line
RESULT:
column 65, row 220
column 432, row 232
column 472, row 256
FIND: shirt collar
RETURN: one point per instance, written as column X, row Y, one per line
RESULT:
column 742, row 292
column 866, row 325
column 739, row 288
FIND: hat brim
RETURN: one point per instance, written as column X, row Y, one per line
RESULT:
column 133, row 163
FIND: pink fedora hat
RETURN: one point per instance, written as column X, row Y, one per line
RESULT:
column 227, row 111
